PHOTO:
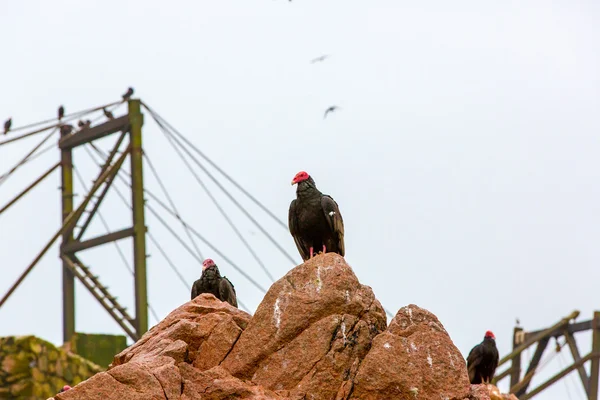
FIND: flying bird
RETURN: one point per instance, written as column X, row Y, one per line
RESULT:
column 483, row 360
column 314, row 220
column 212, row 282
column 330, row 109
column 7, row 125
column 108, row 114
column 61, row 112
column 127, row 94
column 319, row 59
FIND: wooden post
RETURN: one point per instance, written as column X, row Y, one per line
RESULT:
column 136, row 121
column 68, row 279
column 515, row 369
column 595, row 367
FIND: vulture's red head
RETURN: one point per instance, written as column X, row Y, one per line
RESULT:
column 300, row 177
column 490, row 335
column 65, row 388
column 207, row 264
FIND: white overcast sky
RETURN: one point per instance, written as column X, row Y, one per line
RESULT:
column 464, row 158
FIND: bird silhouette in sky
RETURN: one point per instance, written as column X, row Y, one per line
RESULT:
column 319, row 59
column 330, row 109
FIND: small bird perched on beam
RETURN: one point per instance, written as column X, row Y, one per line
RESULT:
column 330, row 109
column 108, row 114
column 61, row 112
column 66, row 129
column 212, row 282
column 127, row 94
column 7, row 125
column 483, row 360
column 81, row 124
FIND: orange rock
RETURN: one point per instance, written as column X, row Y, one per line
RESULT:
column 313, row 325
column 318, row 334
column 413, row 358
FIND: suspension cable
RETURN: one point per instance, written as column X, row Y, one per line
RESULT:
column 216, row 203
column 234, row 201
column 156, row 116
column 24, row 160
column 119, row 250
column 198, row 235
column 164, row 189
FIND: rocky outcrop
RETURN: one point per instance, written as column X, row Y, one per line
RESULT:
column 31, row 368
column 317, row 334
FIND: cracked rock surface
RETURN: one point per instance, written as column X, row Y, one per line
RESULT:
column 318, row 334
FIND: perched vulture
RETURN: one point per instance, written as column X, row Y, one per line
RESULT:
column 315, row 220
column 483, row 360
column 127, row 94
column 61, row 112
column 7, row 125
column 211, row 281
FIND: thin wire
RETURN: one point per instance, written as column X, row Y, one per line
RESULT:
column 155, row 115
column 248, row 215
column 216, row 203
column 119, row 250
column 560, row 362
column 161, row 250
column 219, row 253
column 171, row 264
column 181, row 278
column 38, row 154
column 67, row 117
column 24, row 160
column 198, row 235
column 164, row 189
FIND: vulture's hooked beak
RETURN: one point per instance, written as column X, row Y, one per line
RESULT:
column 293, row 182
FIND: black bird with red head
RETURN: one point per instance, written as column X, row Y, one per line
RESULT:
column 212, row 282
column 483, row 360
column 314, row 220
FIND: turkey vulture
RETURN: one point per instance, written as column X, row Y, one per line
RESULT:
column 7, row 125
column 65, row 388
column 61, row 112
column 127, row 94
column 315, row 220
column 330, row 109
column 108, row 114
column 483, row 360
column 212, row 282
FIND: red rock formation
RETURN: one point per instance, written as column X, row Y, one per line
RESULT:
column 317, row 334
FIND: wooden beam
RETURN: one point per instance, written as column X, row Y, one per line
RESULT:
column 595, row 367
column 521, row 387
column 572, row 328
column 515, row 368
column 105, row 190
column 501, row 376
column 539, row 336
column 75, row 246
column 564, row 372
column 87, row 135
column 576, row 357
